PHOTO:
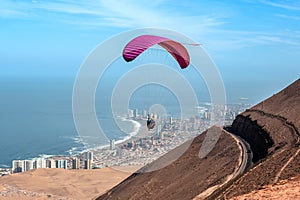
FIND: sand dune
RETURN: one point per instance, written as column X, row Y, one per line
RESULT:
column 61, row 184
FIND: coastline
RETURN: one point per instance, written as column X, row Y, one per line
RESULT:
column 140, row 130
column 136, row 130
column 141, row 133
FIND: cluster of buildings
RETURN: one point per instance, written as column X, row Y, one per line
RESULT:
column 136, row 114
column 226, row 113
column 82, row 161
column 167, row 134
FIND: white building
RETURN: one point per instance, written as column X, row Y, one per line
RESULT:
column 88, row 164
column 136, row 113
column 17, row 166
column 171, row 120
column 76, row 163
column 145, row 114
column 62, row 164
column 112, row 145
column 39, row 163
column 50, row 163
column 88, row 156
column 28, row 165
column 130, row 113
column 158, row 130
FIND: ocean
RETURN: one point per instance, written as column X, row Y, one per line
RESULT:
column 36, row 117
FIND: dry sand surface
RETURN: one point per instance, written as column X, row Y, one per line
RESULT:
column 283, row 190
column 62, row 184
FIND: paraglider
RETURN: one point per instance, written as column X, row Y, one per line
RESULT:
column 150, row 122
column 141, row 43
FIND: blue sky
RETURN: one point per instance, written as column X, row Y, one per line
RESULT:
column 255, row 44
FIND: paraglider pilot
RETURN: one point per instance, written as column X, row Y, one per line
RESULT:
column 150, row 122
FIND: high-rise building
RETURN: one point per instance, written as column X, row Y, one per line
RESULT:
column 88, row 164
column 28, row 165
column 62, row 164
column 207, row 115
column 130, row 113
column 144, row 113
column 171, row 120
column 50, row 163
column 112, row 145
column 158, row 129
column 76, row 163
column 53, row 164
column 136, row 113
column 39, row 163
column 88, row 155
column 17, row 166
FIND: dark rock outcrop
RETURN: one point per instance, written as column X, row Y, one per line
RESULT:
column 255, row 135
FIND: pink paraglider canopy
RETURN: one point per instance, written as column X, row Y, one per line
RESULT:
column 141, row 43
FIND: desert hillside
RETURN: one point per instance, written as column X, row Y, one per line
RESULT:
column 282, row 190
column 60, row 183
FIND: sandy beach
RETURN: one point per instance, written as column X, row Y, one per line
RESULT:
column 141, row 133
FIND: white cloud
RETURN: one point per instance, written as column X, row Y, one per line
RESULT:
column 130, row 14
column 209, row 28
column 9, row 9
column 285, row 4
column 227, row 40
column 288, row 16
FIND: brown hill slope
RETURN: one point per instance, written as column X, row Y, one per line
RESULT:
column 272, row 129
column 282, row 190
column 186, row 177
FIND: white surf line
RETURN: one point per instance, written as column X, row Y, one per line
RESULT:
column 284, row 166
